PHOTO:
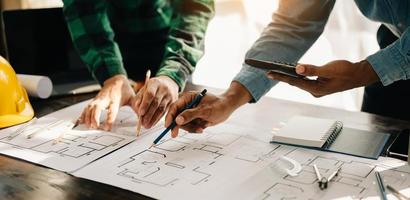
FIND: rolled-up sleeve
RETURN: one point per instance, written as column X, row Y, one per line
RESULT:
column 393, row 62
column 93, row 37
column 295, row 26
column 185, row 44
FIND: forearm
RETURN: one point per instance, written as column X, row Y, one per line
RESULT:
column 237, row 95
column 295, row 27
column 393, row 62
column 93, row 37
column 185, row 41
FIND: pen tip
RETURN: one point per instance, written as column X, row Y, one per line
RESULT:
column 152, row 145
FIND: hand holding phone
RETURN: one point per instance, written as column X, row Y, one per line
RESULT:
column 278, row 67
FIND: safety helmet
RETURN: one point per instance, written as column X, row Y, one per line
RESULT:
column 15, row 107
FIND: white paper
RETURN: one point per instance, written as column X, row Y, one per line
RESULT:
column 356, row 180
column 223, row 164
column 229, row 161
column 76, row 149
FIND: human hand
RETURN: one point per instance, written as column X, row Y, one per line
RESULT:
column 212, row 110
column 116, row 92
column 153, row 100
column 336, row 76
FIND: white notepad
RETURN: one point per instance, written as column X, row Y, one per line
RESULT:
column 308, row 131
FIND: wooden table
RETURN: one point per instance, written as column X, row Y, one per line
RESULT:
column 23, row 180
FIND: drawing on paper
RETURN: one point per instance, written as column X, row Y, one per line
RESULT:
column 356, row 178
column 164, row 164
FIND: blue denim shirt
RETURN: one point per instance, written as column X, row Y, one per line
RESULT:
column 297, row 24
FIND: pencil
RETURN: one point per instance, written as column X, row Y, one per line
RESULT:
column 194, row 103
column 147, row 77
column 397, row 193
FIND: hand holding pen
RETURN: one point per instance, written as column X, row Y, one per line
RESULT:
column 212, row 110
column 191, row 105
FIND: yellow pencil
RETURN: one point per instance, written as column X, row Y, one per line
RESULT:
column 147, row 77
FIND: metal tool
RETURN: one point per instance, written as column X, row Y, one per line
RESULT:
column 323, row 181
column 294, row 171
column 381, row 186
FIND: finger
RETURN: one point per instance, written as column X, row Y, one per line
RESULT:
column 175, row 131
column 304, row 84
column 159, row 112
column 95, row 116
column 133, row 103
column 146, row 119
column 196, row 126
column 172, row 112
column 87, row 118
column 136, row 101
column 148, row 96
column 111, row 115
column 177, row 106
column 312, row 70
column 189, row 115
column 82, row 117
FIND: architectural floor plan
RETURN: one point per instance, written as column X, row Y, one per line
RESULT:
column 197, row 166
column 226, row 162
column 356, row 179
column 51, row 142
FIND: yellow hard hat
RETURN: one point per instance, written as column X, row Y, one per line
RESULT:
column 15, row 107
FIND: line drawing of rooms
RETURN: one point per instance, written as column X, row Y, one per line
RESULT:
column 190, row 159
column 197, row 161
column 355, row 180
column 73, row 144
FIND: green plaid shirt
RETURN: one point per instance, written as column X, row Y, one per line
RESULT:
column 89, row 25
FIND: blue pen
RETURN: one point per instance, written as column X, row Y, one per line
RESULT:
column 194, row 103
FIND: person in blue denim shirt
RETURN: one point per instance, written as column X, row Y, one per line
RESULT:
column 295, row 26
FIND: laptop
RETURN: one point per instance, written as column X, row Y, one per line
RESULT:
column 38, row 42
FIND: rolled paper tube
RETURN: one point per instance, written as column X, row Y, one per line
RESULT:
column 36, row 86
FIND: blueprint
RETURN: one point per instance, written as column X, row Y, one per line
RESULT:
column 356, row 179
column 224, row 164
column 228, row 161
column 49, row 142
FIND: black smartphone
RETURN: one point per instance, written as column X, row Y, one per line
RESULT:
column 278, row 67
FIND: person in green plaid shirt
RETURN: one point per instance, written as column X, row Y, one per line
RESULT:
column 121, row 39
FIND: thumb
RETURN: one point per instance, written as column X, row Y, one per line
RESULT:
column 311, row 70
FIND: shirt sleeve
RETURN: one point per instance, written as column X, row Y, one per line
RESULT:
column 295, row 26
column 93, row 37
column 393, row 62
column 186, row 39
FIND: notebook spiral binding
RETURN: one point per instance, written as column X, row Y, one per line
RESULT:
column 332, row 134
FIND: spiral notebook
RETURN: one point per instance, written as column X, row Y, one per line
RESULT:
column 330, row 135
